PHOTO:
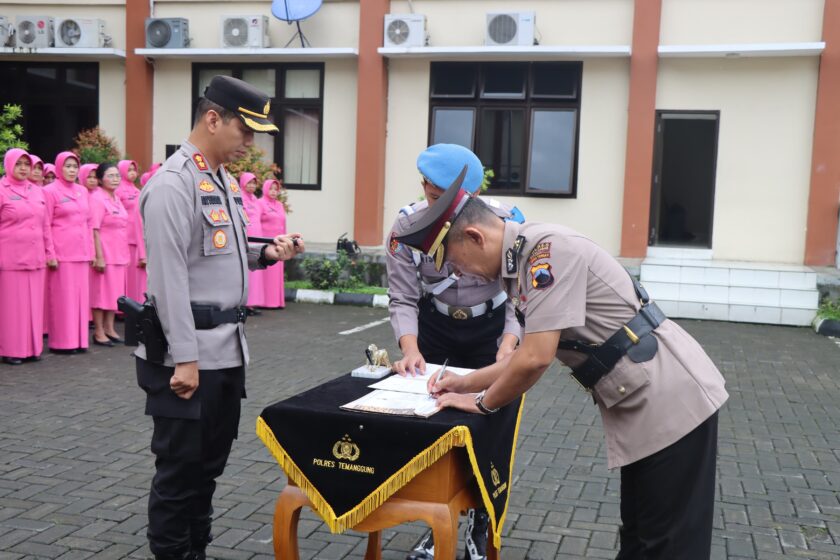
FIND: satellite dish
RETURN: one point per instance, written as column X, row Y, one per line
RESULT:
column 293, row 11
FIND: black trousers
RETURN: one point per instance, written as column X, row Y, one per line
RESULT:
column 469, row 343
column 667, row 500
column 191, row 443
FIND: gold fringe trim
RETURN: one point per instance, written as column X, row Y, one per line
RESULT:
column 455, row 437
column 459, row 436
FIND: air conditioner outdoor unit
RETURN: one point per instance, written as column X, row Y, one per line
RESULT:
column 245, row 32
column 80, row 32
column 167, row 33
column 7, row 32
column 405, row 30
column 34, row 32
column 510, row 29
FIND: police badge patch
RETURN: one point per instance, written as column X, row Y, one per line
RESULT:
column 394, row 246
column 541, row 276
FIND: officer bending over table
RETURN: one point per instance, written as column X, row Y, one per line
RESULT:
column 439, row 315
column 192, row 365
column 657, row 390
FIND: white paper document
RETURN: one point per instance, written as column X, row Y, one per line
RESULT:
column 393, row 402
column 415, row 384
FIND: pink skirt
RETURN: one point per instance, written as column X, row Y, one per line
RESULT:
column 107, row 286
column 135, row 277
column 255, row 288
column 69, row 296
column 274, row 296
column 21, row 322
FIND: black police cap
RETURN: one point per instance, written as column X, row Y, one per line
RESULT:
column 245, row 100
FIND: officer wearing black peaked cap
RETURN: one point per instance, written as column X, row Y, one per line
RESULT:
column 198, row 259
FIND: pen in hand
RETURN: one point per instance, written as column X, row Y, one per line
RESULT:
column 441, row 372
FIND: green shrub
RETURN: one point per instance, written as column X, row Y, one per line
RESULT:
column 830, row 309
column 94, row 146
column 10, row 131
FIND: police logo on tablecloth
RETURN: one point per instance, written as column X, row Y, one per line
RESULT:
column 494, row 475
column 346, row 449
column 498, row 485
column 541, row 276
column 219, row 239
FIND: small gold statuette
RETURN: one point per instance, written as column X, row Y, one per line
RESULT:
column 378, row 364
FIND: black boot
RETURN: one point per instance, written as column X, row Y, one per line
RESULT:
column 424, row 549
column 476, row 539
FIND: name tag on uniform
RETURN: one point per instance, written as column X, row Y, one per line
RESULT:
column 238, row 200
column 15, row 197
column 63, row 200
column 211, row 200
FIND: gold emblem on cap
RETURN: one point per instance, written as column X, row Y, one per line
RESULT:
column 267, row 107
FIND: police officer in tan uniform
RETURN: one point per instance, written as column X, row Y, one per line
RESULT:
column 657, row 390
column 438, row 315
column 198, row 260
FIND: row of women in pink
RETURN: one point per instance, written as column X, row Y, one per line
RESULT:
column 266, row 218
column 24, row 241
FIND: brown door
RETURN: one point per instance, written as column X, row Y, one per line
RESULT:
column 683, row 193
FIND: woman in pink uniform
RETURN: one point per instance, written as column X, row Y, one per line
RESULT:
column 129, row 195
column 253, row 211
column 273, row 224
column 49, row 174
column 24, row 238
column 68, row 277
column 87, row 177
column 110, row 223
column 36, row 173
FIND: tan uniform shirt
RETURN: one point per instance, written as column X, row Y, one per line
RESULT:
column 563, row 281
column 197, row 251
column 405, row 288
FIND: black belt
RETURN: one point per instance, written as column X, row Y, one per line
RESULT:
column 210, row 316
column 634, row 339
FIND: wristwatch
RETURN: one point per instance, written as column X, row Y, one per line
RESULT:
column 263, row 260
column 479, row 402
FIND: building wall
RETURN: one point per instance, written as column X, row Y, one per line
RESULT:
column 336, row 24
column 111, row 71
column 764, row 148
column 558, row 22
column 688, row 22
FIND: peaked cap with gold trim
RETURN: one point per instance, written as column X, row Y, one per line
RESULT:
column 427, row 234
column 245, row 100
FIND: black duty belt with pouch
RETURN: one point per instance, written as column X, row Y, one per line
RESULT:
column 210, row 316
column 635, row 339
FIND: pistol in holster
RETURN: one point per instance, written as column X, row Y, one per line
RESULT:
column 143, row 325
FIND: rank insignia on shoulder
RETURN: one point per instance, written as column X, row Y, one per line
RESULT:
column 394, row 246
column 234, row 187
column 206, row 186
column 200, row 162
column 510, row 261
column 219, row 239
column 541, row 276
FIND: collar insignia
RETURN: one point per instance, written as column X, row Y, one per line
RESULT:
column 234, row 187
column 206, row 186
column 200, row 162
column 512, row 254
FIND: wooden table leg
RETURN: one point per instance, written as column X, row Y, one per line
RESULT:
column 444, row 525
column 286, row 516
column 374, row 546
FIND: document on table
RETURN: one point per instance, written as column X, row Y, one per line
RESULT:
column 394, row 402
column 415, row 384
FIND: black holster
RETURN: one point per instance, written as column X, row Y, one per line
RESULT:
column 143, row 325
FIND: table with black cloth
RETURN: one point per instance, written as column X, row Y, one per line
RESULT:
column 349, row 464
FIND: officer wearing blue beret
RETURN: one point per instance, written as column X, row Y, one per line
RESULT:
column 440, row 315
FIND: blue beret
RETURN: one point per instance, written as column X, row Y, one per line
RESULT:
column 442, row 163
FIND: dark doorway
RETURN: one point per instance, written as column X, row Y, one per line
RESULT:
column 59, row 99
column 683, row 193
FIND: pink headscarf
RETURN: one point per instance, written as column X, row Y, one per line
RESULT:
column 266, row 188
column 85, row 171
column 59, row 167
column 49, row 168
column 36, row 160
column 244, row 179
column 123, row 166
column 144, row 178
column 9, row 161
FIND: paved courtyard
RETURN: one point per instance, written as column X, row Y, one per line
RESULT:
column 75, row 464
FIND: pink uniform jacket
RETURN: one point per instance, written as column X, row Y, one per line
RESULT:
column 67, row 215
column 110, row 217
column 24, row 235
